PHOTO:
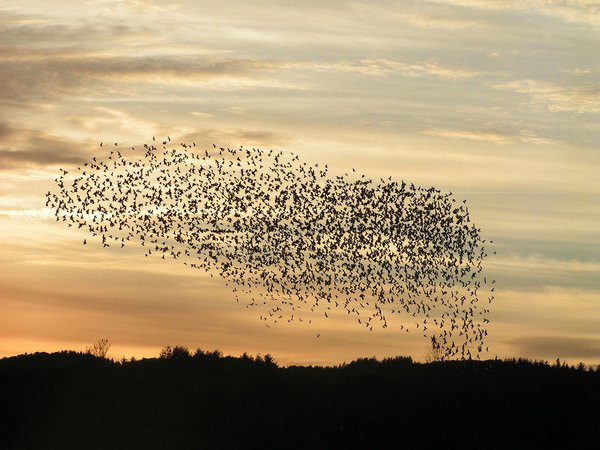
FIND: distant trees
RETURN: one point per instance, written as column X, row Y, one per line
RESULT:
column 99, row 348
column 268, row 360
column 204, row 399
column 181, row 353
column 177, row 352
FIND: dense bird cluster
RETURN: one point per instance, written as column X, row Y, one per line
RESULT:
column 291, row 238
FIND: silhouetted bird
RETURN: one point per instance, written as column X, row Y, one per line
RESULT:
column 291, row 239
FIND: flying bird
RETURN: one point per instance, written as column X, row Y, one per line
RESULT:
column 290, row 239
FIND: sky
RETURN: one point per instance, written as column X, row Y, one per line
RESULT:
column 495, row 101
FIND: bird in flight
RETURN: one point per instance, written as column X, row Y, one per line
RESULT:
column 291, row 239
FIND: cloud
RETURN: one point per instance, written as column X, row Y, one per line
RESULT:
column 532, row 262
column 532, row 271
column 28, row 213
column 10, row 159
column 203, row 115
column 584, row 98
column 46, row 78
column 576, row 11
column 31, row 148
column 5, row 130
column 581, row 71
column 30, row 35
column 488, row 136
column 23, row 148
column 191, row 66
column 41, row 59
column 555, row 346
column 382, row 67
column 493, row 137
column 135, row 6
column 36, row 78
column 438, row 21
column 532, row 138
column 119, row 122
column 238, row 136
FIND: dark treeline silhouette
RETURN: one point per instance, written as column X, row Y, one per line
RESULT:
column 204, row 400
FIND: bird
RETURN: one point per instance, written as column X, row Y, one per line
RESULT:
column 289, row 238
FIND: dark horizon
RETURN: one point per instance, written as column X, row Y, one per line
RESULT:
column 76, row 400
column 183, row 352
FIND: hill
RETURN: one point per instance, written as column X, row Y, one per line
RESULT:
column 70, row 400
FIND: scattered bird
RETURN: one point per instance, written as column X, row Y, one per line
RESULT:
column 290, row 238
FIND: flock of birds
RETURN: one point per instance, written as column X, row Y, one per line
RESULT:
column 291, row 239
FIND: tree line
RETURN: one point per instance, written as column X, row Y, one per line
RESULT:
column 203, row 399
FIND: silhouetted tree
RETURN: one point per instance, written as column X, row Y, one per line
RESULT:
column 434, row 353
column 177, row 352
column 166, row 352
column 268, row 360
column 99, row 348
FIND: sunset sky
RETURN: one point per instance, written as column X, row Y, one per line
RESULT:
column 497, row 101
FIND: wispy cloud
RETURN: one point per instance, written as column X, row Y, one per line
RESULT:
column 22, row 148
column 30, row 148
column 439, row 22
column 584, row 98
column 119, row 122
column 578, row 11
column 581, row 71
column 488, row 136
column 494, row 137
column 531, row 138
column 557, row 346
column 54, row 77
column 234, row 136
column 530, row 263
column 382, row 67
column 27, row 213
column 51, row 77
column 10, row 159
column 201, row 114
